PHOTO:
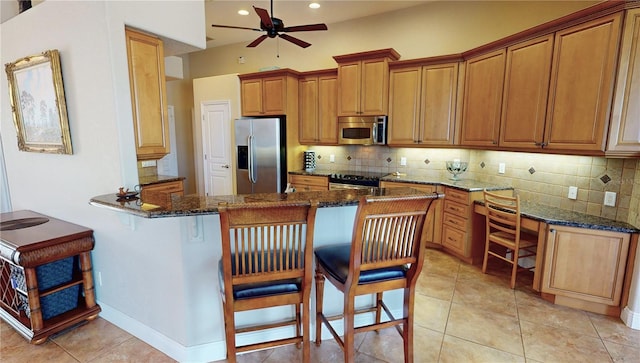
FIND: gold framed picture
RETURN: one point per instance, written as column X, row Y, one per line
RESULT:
column 38, row 104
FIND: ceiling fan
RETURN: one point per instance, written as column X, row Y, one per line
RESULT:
column 275, row 27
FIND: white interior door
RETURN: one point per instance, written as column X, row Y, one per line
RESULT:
column 216, row 147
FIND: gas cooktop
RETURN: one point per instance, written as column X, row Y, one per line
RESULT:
column 357, row 178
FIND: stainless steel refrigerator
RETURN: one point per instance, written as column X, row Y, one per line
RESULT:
column 261, row 165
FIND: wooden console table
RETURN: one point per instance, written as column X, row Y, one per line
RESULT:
column 31, row 245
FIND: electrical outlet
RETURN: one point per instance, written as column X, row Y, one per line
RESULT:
column 403, row 161
column 332, row 158
column 610, row 199
column 573, row 193
column 148, row 163
column 501, row 168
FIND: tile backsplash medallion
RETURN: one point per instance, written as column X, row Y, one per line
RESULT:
column 541, row 178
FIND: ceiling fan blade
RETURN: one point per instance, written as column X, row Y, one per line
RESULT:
column 305, row 28
column 235, row 27
column 264, row 17
column 257, row 41
column 295, row 41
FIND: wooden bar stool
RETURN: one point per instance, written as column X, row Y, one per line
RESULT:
column 503, row 234
column 267, row 261
column 386, row 253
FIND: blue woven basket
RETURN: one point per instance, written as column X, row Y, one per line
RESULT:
column 50, row 275
column 60, row 302
column 55, row 273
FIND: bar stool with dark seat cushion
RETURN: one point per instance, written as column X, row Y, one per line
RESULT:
column 266, row 261
column 386, row 253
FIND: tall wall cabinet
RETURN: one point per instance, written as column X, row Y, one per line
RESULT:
column 148, row 94
column 363, row 82
column 624, row 134
column 422, row 103
column 318, row 107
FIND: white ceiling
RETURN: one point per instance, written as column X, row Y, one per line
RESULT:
column 291, row 12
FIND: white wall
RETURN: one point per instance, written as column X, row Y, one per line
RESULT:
column 217, row 88
column 142, row 262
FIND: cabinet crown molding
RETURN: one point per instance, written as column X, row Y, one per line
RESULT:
column 380, row 53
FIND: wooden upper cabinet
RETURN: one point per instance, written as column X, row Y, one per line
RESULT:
column 404, row 105
column 422, row 105
column 318, row 108
column 624, row 134
column 263, row 96
column 363, row 82
column 482, row 103
column 148, row 95
column 581, row 86
column 526, row 87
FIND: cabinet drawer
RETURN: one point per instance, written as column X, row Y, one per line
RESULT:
column 319, row 181
column 168, row 187
column 310, row 188
column 457, row 195
column 455, row 221
column 453, row 238
column 456, row 208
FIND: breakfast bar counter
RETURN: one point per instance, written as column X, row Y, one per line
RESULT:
column 194, row 205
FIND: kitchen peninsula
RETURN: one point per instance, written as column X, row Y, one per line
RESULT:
column 200, row 230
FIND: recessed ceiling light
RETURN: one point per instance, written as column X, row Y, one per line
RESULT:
column 314, row 5
column 243, row 12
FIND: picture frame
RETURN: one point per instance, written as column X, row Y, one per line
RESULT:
column 38, row 104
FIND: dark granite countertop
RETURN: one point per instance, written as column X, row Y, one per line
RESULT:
column 562, row 217
column 191, row 205
column 468, row 185
column 157, row 179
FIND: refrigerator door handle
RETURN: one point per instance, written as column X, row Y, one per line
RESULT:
column 252, row 175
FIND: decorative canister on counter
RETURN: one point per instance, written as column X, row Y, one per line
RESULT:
column 309, row 161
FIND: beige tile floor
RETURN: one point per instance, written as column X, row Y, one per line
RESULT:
column 461, row 316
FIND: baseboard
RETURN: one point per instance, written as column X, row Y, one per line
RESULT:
column 215, row 350
column 201, row 353
column 630, row 318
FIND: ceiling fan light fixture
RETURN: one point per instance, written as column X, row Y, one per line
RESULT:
column 243, row 12
column 314, row 5
column 274, row 27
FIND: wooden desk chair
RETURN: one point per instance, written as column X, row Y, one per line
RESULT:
column 386, row 253
column 267, row 261
column 503, row 232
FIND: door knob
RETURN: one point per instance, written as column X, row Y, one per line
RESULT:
column 226, row 166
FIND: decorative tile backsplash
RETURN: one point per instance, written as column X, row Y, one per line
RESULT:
column 541, row 178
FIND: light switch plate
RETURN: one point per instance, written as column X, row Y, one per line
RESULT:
column 332, row 158
column 403, row 161
column 502, row 168
column 610, row 199
column 573, row 193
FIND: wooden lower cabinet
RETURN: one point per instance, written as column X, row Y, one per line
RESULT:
column 161, row 193
column 434, row 217
column 585, row 268
column 309, row 183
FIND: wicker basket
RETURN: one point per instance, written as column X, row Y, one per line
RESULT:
column 49, row 275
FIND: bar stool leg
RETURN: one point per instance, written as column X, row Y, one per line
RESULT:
column 319, row 299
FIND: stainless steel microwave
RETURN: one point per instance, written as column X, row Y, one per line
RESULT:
column 362, row 130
